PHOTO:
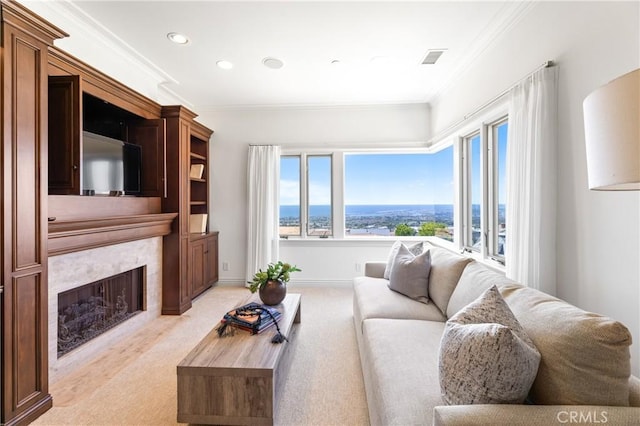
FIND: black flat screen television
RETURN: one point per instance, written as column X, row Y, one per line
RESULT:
column 110, row 166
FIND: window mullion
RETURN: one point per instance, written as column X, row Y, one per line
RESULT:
column 459, row 175
column 493, row 191
column 484, row 173
column 468, row 208
column 304, row 200
column 337, row 195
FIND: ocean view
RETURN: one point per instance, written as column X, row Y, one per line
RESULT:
column 377, row 220
column 316, row 211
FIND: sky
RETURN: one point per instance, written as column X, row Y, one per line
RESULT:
column 374, row 179
column 399, row 178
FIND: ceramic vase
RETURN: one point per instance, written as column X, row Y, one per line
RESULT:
column 273, row 292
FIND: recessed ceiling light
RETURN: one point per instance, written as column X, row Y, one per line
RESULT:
column 225, row 65
column 273, row 63
column 178, row 38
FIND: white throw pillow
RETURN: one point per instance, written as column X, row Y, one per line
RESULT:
column 485, row 355
column 415, row 249
column 410, row 274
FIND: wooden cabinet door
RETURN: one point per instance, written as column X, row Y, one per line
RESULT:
column 24, row 39
column 64, row 134
column 151, row 136
column 212, row 259
column 197, row 265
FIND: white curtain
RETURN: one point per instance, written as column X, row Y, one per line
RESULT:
column 263, row 177
column 531, row 182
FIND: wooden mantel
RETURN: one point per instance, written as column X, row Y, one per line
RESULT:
column 77, row 235
column 79, row 223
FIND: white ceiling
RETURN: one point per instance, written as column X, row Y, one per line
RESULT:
column 307, row 36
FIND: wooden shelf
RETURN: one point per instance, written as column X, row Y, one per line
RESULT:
column 190, row 259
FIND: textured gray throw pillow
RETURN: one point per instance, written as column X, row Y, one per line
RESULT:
column 410, row 274
column 485, row 355
column 415, row 249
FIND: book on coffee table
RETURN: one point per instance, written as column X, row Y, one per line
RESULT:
column 252, row 317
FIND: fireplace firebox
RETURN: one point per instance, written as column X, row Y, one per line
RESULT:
column 87, row 311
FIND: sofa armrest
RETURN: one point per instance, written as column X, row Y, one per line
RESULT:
column 375, row 269
column 542, row 415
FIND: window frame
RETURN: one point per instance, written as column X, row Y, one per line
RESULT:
column 300, row 195
column 306, row 199
column 494, row 198
column 467, row 191
column 486, row 126
column 337, row 188
column 304, row 193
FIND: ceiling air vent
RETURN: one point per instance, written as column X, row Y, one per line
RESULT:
column 432, row 56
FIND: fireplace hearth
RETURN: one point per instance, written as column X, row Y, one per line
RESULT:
column 87, row 311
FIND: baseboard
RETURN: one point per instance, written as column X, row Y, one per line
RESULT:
column 32, row 413
column 238, row 282
column 320, row 283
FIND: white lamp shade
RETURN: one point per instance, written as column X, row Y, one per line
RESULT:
column 612, row 134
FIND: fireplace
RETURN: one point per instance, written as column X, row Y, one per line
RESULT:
column 73, row 270
column 87, row 311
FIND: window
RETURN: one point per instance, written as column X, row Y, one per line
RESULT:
column 499, row 180
column 484, row 189
column 457, row 193
column 305, row 195
column 473, row 195
column 290, row 196
column 389, row 194
column 319, row 221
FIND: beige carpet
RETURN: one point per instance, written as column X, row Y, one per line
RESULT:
column 135, row 383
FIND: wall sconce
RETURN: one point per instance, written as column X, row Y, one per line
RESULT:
column 612, row 134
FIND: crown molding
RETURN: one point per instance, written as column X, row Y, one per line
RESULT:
column 312, row 107
column 88, row 33
column 509, row 15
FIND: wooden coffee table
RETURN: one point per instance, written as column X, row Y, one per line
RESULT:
column 235, row 380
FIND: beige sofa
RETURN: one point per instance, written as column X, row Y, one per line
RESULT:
column 583, row 377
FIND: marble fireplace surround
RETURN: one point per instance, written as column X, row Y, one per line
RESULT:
column 70, row 270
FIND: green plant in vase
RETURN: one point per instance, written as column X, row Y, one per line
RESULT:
column 271, row 283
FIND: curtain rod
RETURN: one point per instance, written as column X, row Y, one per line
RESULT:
column 448, row 130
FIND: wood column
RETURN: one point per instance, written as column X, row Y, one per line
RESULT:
column 25, row 41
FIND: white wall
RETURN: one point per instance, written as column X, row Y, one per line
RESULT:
column 323, row 261
column 598, row 233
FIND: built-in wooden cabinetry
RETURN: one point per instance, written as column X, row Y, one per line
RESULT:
column 203, row 264
column 74, row 109
column 64, row 134
column 23, row 252
column 171, row 143
column 48, row 99
column 190, row 269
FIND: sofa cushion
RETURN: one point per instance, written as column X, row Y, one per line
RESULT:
column 485, row 355
column 446, row 269
column 401, row 370
column 410, row 274
column 475, row 280
column 585, row 357
column 415, row 249
column 373, row 299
